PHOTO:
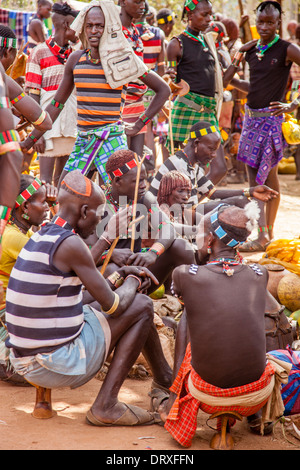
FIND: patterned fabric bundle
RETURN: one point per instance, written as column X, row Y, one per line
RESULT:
column 96, row 146
column 261, row 144
column 182, row 419
column 183, row 117
column 291, row 391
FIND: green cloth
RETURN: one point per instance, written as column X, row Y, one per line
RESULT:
column 183, row 117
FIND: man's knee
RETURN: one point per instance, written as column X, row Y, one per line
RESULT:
column 145, row 307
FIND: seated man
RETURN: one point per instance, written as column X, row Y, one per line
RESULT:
column 155, row 244
column 201, row 148
column 54, row 340
column 224, row 331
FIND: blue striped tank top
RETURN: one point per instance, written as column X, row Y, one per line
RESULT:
column 43, row 304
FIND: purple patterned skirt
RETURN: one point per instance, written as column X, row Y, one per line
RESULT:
column 261, row 144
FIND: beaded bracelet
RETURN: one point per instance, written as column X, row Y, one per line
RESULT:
column 35, row 139
column 164, row 222
column 17, row 98
column 114, row 306
column 9, row 136
column 145, row 119
column 172, row 63
column 237, row 59
column 135, row 277
column 145, row 74
column 4, row 102
column 40, row 119
column 57, row 104
column 9, row 147
column 157, row 248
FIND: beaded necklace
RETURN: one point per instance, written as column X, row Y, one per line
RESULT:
column 94, row 61
column 263, row 49
column 226, row 263
column 13, row 221
column 61, row 53
column 199, row 38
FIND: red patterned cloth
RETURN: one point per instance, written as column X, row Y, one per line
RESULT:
column 182, row 419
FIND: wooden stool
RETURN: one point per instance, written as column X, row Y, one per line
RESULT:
column 223, row 440
column 43, row 406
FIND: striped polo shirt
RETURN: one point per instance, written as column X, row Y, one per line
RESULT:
column 97, row 103
column 201, row 185
column 43, row 304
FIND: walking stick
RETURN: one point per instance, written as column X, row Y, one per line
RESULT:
column 139, row 167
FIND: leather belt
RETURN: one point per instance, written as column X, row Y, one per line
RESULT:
column 255, row 114
column 196, row 107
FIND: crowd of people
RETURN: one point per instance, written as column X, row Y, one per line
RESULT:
column 137, row 133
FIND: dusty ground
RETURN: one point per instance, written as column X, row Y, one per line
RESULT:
column 68, row 430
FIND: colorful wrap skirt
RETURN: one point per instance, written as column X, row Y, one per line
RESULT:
column 181, row 422
column 261, row 144
column 184, row 116
column 95, row 147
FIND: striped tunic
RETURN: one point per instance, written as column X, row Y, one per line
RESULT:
column 200, row 183
column 43, row 69
column 43, row 305
column 97, row 103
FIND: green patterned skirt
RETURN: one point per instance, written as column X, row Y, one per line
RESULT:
column 184, row 116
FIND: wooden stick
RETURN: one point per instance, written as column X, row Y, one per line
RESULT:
column 139, row 167
column 108, row 256
column 170, row 128
column 114, row 243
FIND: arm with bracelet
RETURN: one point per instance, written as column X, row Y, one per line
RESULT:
column 54, row 108
column 11, row 157
column 261, row 192
column 162, row 93
column 162, row 230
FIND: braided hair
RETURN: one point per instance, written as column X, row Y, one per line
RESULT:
column 118, row 159
column 170, row 181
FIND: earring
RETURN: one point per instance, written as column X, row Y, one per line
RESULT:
column 209, row 249
column 25, row 216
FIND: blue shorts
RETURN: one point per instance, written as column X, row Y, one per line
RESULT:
column 73, row 364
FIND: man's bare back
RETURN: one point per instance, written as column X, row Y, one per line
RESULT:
column 225, row 316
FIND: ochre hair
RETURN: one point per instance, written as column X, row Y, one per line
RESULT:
column 170, row 181
column 77, row 184
column 118, row 159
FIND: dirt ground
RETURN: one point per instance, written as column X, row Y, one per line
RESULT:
column 68, row 429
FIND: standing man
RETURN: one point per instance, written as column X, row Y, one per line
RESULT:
column 44, row 73
column 100, row 89
column 261, row 143
column 192, row 57
column 37, row 31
